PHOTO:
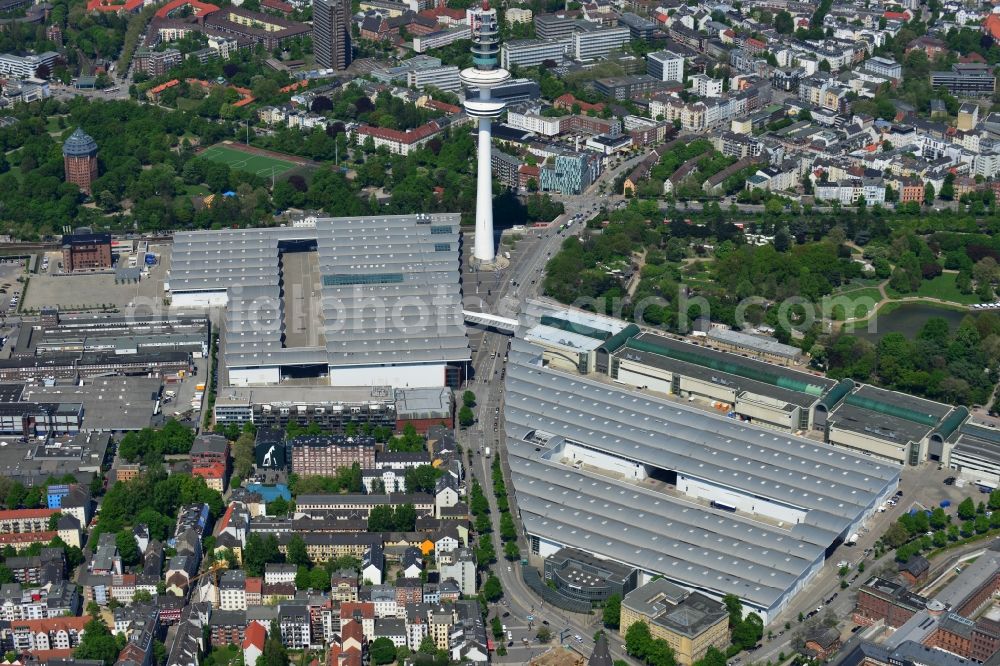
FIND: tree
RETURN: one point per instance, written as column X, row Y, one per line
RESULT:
column 734, row 607
column 928, row 194
column 274, row 653
column 967, row 509
column 492, row 589
column 427, row 646
column 511, row 551
column 296, row 550
column 243, row 455
column 98, row 643
column 260, row 550
column 465, row 417
column 382, row 651
column 897, row 535
column 128, row 549
column 948, row 187
column 782, row 240
column 544, row 634
column 824, row 65
column 496, row 626
column 637, row 640
column 469, row 399
column 748, row 632
column 279, row 507
column 507, row 530
column 422, row 479
column 783, row 22
column 713, row 657
column 612, row 611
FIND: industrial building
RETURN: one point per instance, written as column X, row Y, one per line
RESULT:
column 83, row 249
column 81, row 347
column 707, row 502
column 755, row 391
column 333, row 408
column 886, row 424
column 724, row 371
column 353, row 301
column 975, row 454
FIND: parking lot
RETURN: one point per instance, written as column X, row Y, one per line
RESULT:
column 87, row 292
column 10, row 288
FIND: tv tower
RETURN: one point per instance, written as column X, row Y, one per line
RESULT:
column 484, row 74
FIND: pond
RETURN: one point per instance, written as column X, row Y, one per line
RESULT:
column 908, row 319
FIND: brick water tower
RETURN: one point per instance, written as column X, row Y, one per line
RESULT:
column 80, row 160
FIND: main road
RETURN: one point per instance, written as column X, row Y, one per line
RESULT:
column 503, row 294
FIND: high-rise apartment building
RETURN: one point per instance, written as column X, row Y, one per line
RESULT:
column 332, row 33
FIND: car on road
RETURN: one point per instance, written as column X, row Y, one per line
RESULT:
column 509, row 569
column 949, row 481
column 545, row 622
column 579, row 638
column 506, row 614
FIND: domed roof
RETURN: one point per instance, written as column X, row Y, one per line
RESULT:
column 79, row 144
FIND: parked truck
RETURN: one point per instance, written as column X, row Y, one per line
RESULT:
column 487, row 452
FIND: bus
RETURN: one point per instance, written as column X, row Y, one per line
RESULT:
column 722, row 505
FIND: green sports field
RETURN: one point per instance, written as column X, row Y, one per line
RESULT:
column 260, row 165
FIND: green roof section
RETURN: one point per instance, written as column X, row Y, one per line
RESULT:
column 837, row 393
column 574, row 327
column 618, row 340
column 952, row 422
column 695, row 358
column 891, row 410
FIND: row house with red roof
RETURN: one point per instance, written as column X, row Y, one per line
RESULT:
column 397, row 141
column 59, row 633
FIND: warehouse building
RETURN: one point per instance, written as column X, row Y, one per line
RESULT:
column 121, row 335
column 352, row 301
column 975, row 454
column 708, row 503
column 333, row 408
column 892, row 426
column 748, row 389
column 886, row 424
column 569, row 339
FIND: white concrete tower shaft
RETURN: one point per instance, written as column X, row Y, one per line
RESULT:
column 484, row 250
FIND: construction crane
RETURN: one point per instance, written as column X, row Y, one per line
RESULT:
column 213, row 571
